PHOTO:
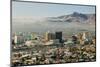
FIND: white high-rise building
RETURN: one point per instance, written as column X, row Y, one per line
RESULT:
column 18, row 39
column 15, row 39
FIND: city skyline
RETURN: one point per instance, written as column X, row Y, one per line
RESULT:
column 49, row 33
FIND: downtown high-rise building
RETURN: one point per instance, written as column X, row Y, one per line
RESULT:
column 49, row 36
column 59, row 36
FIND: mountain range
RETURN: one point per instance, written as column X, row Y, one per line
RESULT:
column 74, row 17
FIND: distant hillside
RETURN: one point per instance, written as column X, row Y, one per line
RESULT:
column 74, row 17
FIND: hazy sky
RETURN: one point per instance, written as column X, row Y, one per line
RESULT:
column 30, row 9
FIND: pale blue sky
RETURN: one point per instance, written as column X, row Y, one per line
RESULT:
column 47, row 10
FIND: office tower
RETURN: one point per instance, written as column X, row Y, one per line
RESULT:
column 18, row 39
column 47, row 36
column 15, row 39
column 59, row 36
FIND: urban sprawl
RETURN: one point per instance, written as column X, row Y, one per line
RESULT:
column 31, row 48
